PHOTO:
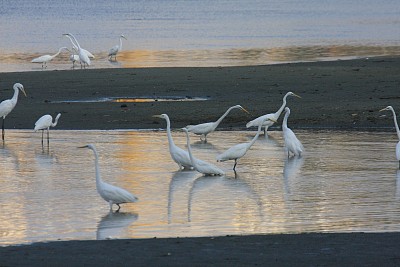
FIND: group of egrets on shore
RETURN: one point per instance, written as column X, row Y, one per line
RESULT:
column 78, row 53
column 185, row 159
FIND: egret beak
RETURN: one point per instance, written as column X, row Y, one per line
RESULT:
column 245, row 110
column 124, row 37
column 156, row 116
column 23, row 91
column 272, row 120
column 296, row 95
column 83, row 146
column 383, row 109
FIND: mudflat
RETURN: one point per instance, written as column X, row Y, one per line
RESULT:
column 343, row 94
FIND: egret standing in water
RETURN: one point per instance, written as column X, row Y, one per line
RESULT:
column 115, row 49
column 83, row 56
column 238, row 151
column 208, row 127
column 44, row 123
column 397, row 130
column 110, row 193
column 273, row 116
column 292, row 144
column 8, row 105
column 180, row 156
column 47, row 58
column 199, row 165
column 74, row 46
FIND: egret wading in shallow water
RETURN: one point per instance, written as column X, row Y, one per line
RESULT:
column 44, row 123
column 199, row 165
column 208, row 127
column 83, row 56
column 292, row 144
column 74, row 46
column 110, row 193
column 115, row 49
column 8, row 105
column 274, row 116
column 397, row 130
column 238, row 151
column 47, row 58
column 180, row 156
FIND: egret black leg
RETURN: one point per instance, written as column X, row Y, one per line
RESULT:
column 42, row 137
column 119, row 207
column 2, row 130
column 234, row 166
column 48, row 137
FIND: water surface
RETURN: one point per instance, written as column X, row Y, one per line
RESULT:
column 345, row 182
column 198, row 33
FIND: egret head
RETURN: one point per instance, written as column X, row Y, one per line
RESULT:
column 58, row 116
column 90, row 146
column 293, row 94
column 242, row 108
column 185, row 130
column 162, row 116
column 387, row 108
column 123, row 36
column 287, row 110
column 20, row 87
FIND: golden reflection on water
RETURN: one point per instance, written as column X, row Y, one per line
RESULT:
column 337, row 186
column 204, row 58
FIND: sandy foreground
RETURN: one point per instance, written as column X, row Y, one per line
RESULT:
column 336, row 95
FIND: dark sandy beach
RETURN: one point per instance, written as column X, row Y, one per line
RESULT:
column 335, row 95
column 340, row 94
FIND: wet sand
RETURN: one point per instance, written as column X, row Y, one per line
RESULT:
column 339, row 94
column 335, row 95
column 260, row 250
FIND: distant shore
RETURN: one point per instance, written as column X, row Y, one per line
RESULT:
column 343, row 94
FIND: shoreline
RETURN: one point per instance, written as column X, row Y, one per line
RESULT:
column 308, row 249
column 339, row 95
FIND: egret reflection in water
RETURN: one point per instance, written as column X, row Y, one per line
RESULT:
column 350, row 189
column 113, row 224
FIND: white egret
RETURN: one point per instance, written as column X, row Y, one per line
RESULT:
column 397, row 130
column 83, row 56
column 274, row 116
column 74, row 46
column 208, row 127
column 292, row 144
column 180, row 156
column 115, row 49
column 110, row 193
column 44, row 123
column 8, row 105
column 199, row 165
column 238, row 151
column 47, row 58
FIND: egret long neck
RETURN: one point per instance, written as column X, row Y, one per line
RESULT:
column 395, row 124
column 76, row 42
column 256, row 136
column 170, row 140
column 73, row 44
column 279, row 112
column 55, row 121
column 120, row 43
column 14, row 99
column 96, row 161
column 190, row 150
column 222, row 117
column 285, row 119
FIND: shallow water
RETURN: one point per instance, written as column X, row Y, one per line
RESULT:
column 197, row 33
column 346, row 181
